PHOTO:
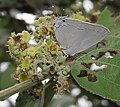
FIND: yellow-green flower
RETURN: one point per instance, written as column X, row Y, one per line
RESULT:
column 45, row 19
column 36, row 23
column 23, row 46
column 31, row 51
column 53, row 47
column 45, row 30
column 22, row 77
column 93, row 16
column 62, row 83
column 25, row 36
column 66, row 70
column 11, row 41
column 78, row 16
column 60, row 57
column 42, row 19
column 17, row 38
column 26, row 64
column 11, row 45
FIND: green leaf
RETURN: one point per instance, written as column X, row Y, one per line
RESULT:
column 26, row 100
column 7, row 2
column 107, row 20
column 5, row 78
column 63, row 101
column 4, row 33
column 108, row 81
column 113, row 38
column 49, row 93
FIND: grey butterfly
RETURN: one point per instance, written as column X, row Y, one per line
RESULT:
column 75, row 36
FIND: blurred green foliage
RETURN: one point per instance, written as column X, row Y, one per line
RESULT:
column 9, row 24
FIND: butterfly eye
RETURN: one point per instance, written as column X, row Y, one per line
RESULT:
column 63, row 20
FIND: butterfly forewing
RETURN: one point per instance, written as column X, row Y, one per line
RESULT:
column 61, row 38
column 77, row 36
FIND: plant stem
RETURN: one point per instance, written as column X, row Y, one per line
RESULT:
column 4, row 94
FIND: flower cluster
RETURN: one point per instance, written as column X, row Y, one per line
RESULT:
column 45, row 53
column 92, row 16
column 78, row 16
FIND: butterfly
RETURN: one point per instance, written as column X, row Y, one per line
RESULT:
column 75, row 36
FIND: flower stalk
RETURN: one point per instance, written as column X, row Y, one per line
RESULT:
column 17, row 88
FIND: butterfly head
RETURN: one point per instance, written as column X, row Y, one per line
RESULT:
column 59, row 21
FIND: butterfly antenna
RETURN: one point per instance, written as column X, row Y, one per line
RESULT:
column 62, row 12
column 54, row 9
